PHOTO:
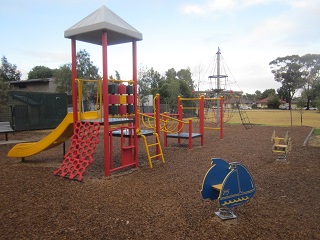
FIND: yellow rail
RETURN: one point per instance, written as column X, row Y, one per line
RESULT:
column 121, row 81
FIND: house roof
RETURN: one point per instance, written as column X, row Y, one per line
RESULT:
column 91, row 27
column 265, row 101
column 43, row 80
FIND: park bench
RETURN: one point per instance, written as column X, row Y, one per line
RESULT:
column 5, row 128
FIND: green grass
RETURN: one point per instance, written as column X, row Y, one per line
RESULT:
column 316, row 131
column 280, row 118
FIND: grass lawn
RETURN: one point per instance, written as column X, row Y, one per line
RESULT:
column 280, row 118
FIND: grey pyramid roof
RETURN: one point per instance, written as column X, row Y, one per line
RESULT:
column 90, row 28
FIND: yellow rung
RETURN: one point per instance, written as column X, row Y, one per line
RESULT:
column 158, row 155
column 209, row 128
column 153, row 144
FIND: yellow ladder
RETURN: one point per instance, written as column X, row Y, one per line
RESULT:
column 157, row 144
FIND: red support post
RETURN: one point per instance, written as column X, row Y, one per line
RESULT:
column 157, row 116
column 165, row 141
column 201, row 118
column 190, row 133
column 73, row 80
column 180, row 117
column 135, row 91
column 105, row 103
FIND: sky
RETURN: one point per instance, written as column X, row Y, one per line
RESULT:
column 176, row 34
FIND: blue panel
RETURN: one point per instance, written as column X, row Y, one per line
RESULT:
column 238, row 187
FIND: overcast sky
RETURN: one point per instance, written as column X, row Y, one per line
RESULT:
column 176, row 34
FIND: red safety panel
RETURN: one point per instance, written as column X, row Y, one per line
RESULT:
column 79, row 156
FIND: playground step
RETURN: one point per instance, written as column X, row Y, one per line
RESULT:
column 278, row 151
column 280, row 146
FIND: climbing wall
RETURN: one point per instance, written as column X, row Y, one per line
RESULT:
column 79, row 156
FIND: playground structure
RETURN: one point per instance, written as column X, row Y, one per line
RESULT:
column 116, row 109
column 59, row 135
column 220, row 88
column 281, row 146
column 230, row 183
column 200, row 110
column 174, row 125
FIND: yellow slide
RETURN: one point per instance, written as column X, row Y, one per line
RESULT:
column 60, row 134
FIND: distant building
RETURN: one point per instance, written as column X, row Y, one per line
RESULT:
column 35, row 104
column 34, row 85
column 263, row 103
column 236, row 102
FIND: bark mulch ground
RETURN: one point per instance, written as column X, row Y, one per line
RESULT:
column 164, row 202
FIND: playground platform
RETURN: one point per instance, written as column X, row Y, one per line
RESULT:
column 184, row 135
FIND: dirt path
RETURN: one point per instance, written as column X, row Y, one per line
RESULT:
column 164, row 202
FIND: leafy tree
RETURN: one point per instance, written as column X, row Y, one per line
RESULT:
column 85, row 70
column 148, row 83
column 85, row 67
column 4, row 88
column 8, row 71
column 311, row 65
column 186, row 76
column 268, row 92
column 258, row 95
column 171, row 74
column 62, row 77
column 118, row 75
column 318, row 104
column 273, row 102
column 40, row 72
column 249, row 96
column 289, row 72
column 283, row 94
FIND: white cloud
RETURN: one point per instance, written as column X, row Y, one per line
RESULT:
column 211, row 6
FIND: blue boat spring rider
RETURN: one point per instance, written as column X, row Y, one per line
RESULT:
column 230, row 183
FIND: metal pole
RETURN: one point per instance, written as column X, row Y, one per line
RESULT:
column 218, row 87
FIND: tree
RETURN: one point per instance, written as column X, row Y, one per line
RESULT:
column 148, row 83
column 289, row 72
column 186, row 76
column 283, row 94
column 273, row 102
column 40, row 72
column 258, row 95
column 62, row 78
column 85, row 67
column 4, row 88
column 117, row 75
column 311, row 65
column 267, row 93
column 85, row 70
column 8, row 71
